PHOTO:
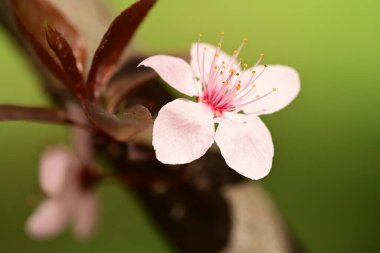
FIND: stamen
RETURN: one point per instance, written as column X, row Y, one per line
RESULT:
column 257, row 112
column 236, row 53
column 256, row 99
column 203, row 63
column 259, row 60
column 213, row 73
column 232, row 72
column 257, row 77
column 198, row 61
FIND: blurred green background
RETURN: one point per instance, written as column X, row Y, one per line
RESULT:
column 325, row 177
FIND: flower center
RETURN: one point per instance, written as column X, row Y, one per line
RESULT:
column 227, row 85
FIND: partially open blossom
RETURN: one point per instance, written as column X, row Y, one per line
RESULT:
column 68, row 202
column 228, row 94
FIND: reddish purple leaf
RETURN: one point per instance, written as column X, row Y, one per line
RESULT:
column 122, row 86
column 120, row 126
column 32, row 16
column 114, row 41
column 67, row 59
column 42, row 53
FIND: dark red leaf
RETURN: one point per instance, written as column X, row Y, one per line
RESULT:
column 32, row 16
column 114, row 41
column 121, row 126
column 66, row 57
column 42, row 53
column 122, row 86
column 21, row 113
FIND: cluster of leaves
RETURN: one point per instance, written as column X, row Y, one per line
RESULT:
column 62, row 49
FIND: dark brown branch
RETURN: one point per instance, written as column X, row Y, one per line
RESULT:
column 38, row 114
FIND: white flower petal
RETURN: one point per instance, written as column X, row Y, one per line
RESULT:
column 287, row 83
column 182, row 132
column 86, row 215
column 55, row 168
column 174, row 71
column 247, row 148
column 49, row 219
column 197, row 62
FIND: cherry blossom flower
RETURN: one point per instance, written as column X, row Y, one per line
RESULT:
column 68, row 202
column 229, row 98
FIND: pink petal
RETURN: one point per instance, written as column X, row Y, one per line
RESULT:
column 247, row 148
column 174, row 71
column 197, row 64
column 54, row 165
column 287, row 83
column 48, row 220
column 182, row 132
column 86, row 215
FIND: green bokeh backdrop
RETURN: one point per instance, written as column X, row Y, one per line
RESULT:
column 325, row 177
